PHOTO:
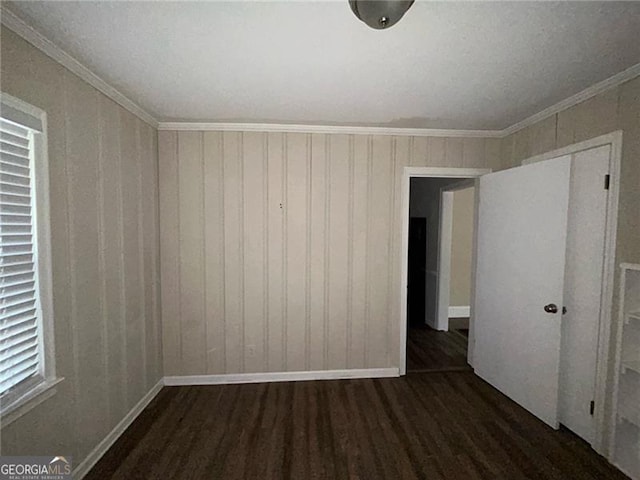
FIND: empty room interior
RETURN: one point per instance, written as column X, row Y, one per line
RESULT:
column 319, row 239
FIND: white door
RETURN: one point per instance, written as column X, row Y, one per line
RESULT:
column 583, row 289
column 521, row 243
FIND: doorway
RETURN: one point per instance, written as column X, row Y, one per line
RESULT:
column 440, row 245
column 424, row 345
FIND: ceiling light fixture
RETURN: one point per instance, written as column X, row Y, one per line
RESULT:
column 380, row 14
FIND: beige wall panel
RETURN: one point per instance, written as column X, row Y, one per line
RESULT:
column 492, row 154
column 318, row 254
column 338, row 252
column 399, row 160
column 134, row 316
column 169, row 252
column 214, row 222
column 82, row 138
column 595, row 116
column 111, row 258
column 360, row 177
column 378, row 261
column 234, row 251
column 149, row 201
column 521, row 146
column 275, row 263
column 296, row 213
column 507, row 148
column 542, row 136
column 436, row 151
column 420, row 151
column 157, row 286
column 190, row 227
column 473, row 150
column 453, row 152
column 141, row 300
column 254, row 209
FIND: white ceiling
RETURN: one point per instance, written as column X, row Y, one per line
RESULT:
column 444, row 65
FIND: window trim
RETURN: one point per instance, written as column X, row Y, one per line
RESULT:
column 34, row 393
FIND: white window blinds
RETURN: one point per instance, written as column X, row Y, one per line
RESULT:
column 20, row 322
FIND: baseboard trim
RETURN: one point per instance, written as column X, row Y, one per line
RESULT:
column 232, row 378
column 96, row 454
column 458, row 312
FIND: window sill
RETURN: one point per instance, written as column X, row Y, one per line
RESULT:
column 27, row 402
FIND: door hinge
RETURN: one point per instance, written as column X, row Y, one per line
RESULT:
column 607, row 181
column 592, row 407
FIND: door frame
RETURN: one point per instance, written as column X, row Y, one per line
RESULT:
column 407, row 174
column 444, row 251
column 614, row 139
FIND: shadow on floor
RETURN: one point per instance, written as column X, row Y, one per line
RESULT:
column 429, row 350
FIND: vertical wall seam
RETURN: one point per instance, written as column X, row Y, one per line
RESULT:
column 223, row 289
column 391, row 244
column 141, row 277
column 327, row 239
column 411, row 147
column 465, row 147
column 350, row 240
column 265, row 250
column 203, row 256
column 70, row 248
column 155, row 255
column 447, row 153
column 367, row 307
column 179, row 253
column 285, row 259
column 307, row 273
column 618, row 108
column 122, row 293
column 101, row 257
column 242, row 251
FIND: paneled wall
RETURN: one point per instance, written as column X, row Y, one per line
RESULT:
column 616, row 109
column 105, row 251
column 280, row 252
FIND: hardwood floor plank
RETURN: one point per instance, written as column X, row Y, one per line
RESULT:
column 430, row 350
column 437, row 426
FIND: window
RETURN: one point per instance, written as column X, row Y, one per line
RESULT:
column 27, row 369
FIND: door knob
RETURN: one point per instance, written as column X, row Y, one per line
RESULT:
column 551, row 308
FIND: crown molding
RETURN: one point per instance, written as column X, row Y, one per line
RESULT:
column 35, row 38
column 330, row 129
column 573, row 100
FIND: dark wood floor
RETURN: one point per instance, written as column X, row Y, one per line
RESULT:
column 430, row 350
column 430, row 426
